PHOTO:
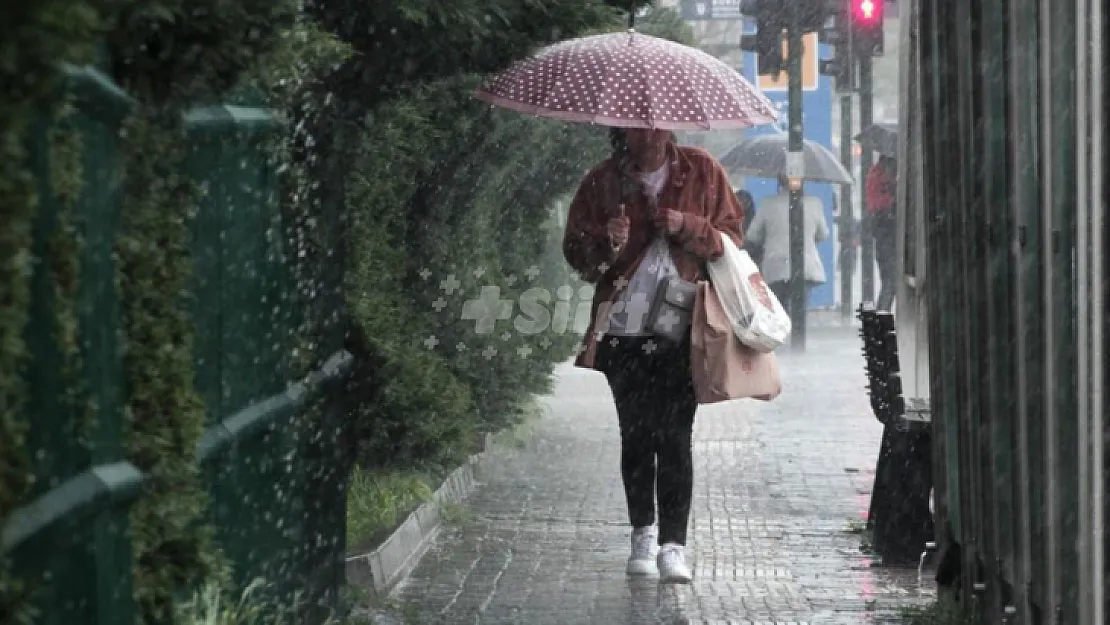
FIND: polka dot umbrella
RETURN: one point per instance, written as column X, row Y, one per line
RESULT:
column 630, row 80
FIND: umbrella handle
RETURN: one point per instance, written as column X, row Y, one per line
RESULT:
column 613, row 245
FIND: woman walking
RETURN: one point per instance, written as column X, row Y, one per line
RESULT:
column 649, row 189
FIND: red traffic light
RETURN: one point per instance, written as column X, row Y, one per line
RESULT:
column 867, row 11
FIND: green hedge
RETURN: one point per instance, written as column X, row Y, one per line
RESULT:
column 170, row 56
column 166, row 417
column 32, row 36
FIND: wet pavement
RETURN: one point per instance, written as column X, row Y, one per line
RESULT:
column 781, row 490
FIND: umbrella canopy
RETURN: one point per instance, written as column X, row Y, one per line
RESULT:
column 630, row 80
column 764, row 156
column 883, row 138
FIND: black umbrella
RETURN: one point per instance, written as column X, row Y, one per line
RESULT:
column 764, row 156
column 883, row 138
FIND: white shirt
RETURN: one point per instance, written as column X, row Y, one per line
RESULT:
column 629, row 312
column 653, row 181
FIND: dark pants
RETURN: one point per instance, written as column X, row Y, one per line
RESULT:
column 884, row 229
column 655, row 408
column 782, row 293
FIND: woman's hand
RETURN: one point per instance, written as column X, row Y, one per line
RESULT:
column 668, row 220
column 618, row 230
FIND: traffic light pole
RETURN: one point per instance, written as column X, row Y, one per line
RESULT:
column 867, row 243
column 847, row 215
column 795, row 168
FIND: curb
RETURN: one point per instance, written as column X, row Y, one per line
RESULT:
column 383, row 568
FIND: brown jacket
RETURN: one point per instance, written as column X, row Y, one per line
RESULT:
column 698, row 187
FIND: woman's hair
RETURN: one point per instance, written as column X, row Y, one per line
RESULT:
column 618, row 140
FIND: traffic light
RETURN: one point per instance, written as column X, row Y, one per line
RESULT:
column 770, row 22
column 841, row 69
column 867, row 26
column 836, row 32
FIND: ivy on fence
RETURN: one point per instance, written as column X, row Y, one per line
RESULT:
column 32, row 38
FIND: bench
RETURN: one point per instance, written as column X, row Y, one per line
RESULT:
column 900, row 519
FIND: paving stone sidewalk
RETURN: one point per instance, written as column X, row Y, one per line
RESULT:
column 779, row 488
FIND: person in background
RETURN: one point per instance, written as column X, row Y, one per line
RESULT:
column 881, row 188
column 771, row 231
column 747, row 205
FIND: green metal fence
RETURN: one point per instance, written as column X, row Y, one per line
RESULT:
column 277, row 492
column 1015, row 295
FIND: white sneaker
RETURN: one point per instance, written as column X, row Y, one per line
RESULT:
column 672, row 565
column 642, row 560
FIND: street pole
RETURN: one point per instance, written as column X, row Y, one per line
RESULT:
column 847, row 216
column 795, row 167
column 867, row 245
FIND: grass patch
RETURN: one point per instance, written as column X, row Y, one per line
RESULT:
column 379, row 501
column 406, row 612
column 945, row 611
column 372, row 607
column 519, row 435
column 213, row 605
column 455, row 513
column 513, row 438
